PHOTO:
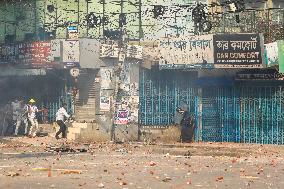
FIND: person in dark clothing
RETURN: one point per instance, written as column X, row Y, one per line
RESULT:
column 187, row 125
column 61, row 116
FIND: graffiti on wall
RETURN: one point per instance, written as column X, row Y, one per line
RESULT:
column 142, row 19
column 113, row 51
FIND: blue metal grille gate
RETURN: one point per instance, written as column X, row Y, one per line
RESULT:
column 161, row 92
column 246, row 112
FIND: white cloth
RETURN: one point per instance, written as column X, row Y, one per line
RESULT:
column 32, row 111
column 61, row 114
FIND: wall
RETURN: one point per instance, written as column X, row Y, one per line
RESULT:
column 32, row 16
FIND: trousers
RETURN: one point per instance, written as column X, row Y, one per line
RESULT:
column 19, row 122
column 62, row 129
column 34, row 126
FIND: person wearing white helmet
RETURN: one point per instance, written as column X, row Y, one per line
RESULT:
column 32, row 110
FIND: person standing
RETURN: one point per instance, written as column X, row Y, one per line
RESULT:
column 16, row 115
column 61, row 116
column 32, row 110
column 186, row 124
column 21, row 117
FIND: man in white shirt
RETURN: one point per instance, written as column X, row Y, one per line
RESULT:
column 32, row 110
column 61, row 115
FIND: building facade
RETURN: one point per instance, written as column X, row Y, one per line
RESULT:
column 125, row 80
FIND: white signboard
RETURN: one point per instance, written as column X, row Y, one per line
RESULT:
column 71, row 52
column 271, row 54
column 187, row 52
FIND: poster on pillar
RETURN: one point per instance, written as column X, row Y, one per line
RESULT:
column 238, row 50
column 186, row 52
column 121, row 117
column 106, row 78
column 104, row 101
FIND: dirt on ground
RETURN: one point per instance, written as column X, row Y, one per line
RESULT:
column 44, row 162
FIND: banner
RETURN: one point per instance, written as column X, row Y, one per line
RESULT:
column 238, row 50
column 186, row 52
column 35, row 54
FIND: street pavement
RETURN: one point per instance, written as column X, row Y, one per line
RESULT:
column 33, row 163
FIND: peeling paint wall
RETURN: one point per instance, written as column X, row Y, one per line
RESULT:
column 38, row 20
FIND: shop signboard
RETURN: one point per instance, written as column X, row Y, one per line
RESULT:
column 35, row 54
column 238, row 51
column 186, row 52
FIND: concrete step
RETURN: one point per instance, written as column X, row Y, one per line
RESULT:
column 79, row 125
column 86, row 107
column 87, row 111
column 84, row 114
column 74, row 130
column 85, row 118
column 46, row 128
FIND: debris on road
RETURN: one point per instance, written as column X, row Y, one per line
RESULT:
column 167, row 179
column 122, row 183
column 62, row 171
column 152, row 163
column 71, row 172
column 12, row 174
column 101, row 185
column 220, row 178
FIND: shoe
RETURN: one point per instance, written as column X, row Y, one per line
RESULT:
column 57, row 137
